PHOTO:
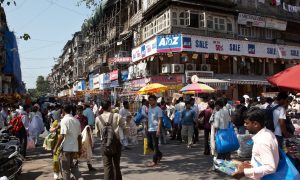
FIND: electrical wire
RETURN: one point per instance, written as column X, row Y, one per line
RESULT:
column 66, row 8
column 41, row 47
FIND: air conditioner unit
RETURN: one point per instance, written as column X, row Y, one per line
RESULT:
column 190, row 67
column 177, row 68
column 165, row 68
column 205, row 67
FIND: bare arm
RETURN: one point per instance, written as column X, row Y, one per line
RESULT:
column 60, row 140
column 283, row 128
column 159, row 126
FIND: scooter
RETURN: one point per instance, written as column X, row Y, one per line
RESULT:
column 11, row 160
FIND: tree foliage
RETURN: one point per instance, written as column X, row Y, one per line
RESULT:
column 42, row 86
column 89, row 3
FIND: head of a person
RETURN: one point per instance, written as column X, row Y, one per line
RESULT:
column 126, row 104
column 35, row 109
column 269, row 100
column 67, row 109
column 79, row 109
column 225, row 101
column 188, row 104
column 86, row 105
column 192, row 100
column 219, row 104
column 290, row 99
column 255, row 120
column 26, row 108
column 211, row 104
column 152, row 100
column 282, row 98
column 242, row 100
column 144, row 102
column 106, row 106
column 180, row 99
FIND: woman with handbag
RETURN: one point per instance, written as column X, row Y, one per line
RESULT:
column 221, row 120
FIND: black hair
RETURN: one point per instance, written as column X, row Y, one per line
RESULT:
column 144, row 101
column 282, row 96
column 242, row 100
column 25, row 107
column 67, row 108
column 125, row 103
column 180, row 99
column 106, row 105
column 211, row 104
column 269, row 100
column 219, row 102
column 256, row 114
column 152, row 97
column 188, row 102
column 79, row 107
column 225, row 100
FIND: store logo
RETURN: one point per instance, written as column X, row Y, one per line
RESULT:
column 143, row 49
column 251, row 48
column 187, row 42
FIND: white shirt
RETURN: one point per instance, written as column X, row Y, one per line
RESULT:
column 265, row 152
column 124, row 113
column 70, row 127
column 180, row 106
column 278, row 113
column 221, row 119
column 196, row 109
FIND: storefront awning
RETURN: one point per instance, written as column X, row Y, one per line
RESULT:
column 214, row 82
column 243, row 79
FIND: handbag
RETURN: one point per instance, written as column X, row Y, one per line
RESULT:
column 166, row 122
column 226, row 140
column 285, row 169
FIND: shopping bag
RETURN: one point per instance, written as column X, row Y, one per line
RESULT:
column 138, row 117
column 285, row 169
column 226, row 140
column 30, row 143
column 147, row 150
column 166, row 122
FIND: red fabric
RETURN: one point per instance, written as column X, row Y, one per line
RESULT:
column 16, row 124
column 83, row 121
column 287, row 79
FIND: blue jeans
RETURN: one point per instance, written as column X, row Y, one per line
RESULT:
column 153, row 145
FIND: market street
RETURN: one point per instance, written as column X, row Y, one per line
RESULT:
column 178, row 163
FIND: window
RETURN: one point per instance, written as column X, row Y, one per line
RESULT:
column 210, row 22
column 229, row 26
column 194, row 20
column 219, row 23
column 182, row 21
column 202, row 20
column 269, row 34
column 174, row 18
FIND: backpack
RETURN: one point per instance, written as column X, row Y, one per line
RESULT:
column 166, row 122
column 109, row 141
column 17, row 125
column 238, row 115
column 138, row 117
column 269, row 121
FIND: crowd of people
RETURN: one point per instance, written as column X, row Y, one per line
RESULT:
column 72, row 127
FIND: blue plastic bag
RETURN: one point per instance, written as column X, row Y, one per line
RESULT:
column 166, row 122
column 226, row 140
column 285, row 169
column 177, row 117
column 138, row 117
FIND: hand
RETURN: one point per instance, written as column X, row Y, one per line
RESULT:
column 158, row 133
column 239, row 174
column 246, row 165
column 55, row 151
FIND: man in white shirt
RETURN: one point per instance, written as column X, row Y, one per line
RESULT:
column 70, row 143
column 125, row 117
column 265, row 155
column 279, row 118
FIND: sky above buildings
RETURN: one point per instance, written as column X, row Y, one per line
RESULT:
column 50, row 23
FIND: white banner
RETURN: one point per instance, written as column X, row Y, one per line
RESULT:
column 238, row 48
column 276, row 24
column 146, row 49
column 96, row 83
column 256, row 21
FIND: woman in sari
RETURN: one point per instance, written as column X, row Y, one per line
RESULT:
column 55, row 129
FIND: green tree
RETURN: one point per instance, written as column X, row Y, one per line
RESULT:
column 42, row 86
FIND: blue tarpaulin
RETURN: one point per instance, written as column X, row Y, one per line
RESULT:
column 13, row 64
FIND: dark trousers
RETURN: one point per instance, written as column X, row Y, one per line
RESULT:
column 111, row 163
column 224, row 156
column 153, row 145
column 176, row 134
column 22, row 136
column 196, row 134
column 206, row 140
column 279, row 141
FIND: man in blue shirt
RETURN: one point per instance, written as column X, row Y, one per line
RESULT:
column 187, row 120
column 154, row 127
column 88, row 112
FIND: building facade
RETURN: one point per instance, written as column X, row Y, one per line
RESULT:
column 231, row 45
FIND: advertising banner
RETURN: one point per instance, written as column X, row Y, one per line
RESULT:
column 96, row 84
column 114, row 75
column 169, row 43
column 146, row 49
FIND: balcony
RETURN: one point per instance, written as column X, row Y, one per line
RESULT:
column 136, row 18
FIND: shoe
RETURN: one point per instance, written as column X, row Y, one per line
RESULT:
column 159, row 158
column 91, row 168
column 189, row 146
column 152, row 164
column 56, row 176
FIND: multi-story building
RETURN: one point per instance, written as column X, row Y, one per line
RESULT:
column 10, row 65
column 231, row 45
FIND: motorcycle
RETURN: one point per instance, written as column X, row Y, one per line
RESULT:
column 11, row 161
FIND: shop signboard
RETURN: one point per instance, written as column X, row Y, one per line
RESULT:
column 256, row 21
column 169, row 43
column 239, row 48
column 91, row 81
column 80, row 85
column 96, row 84
column 114, row 75
column 104, row 81
column 114, row 84
column 167, row 80
column 124, row 75
column 146, row 49
column 139, row 83
column 276, row 24
column 119, row 60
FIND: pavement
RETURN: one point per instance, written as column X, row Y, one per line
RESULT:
column 178, row 163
